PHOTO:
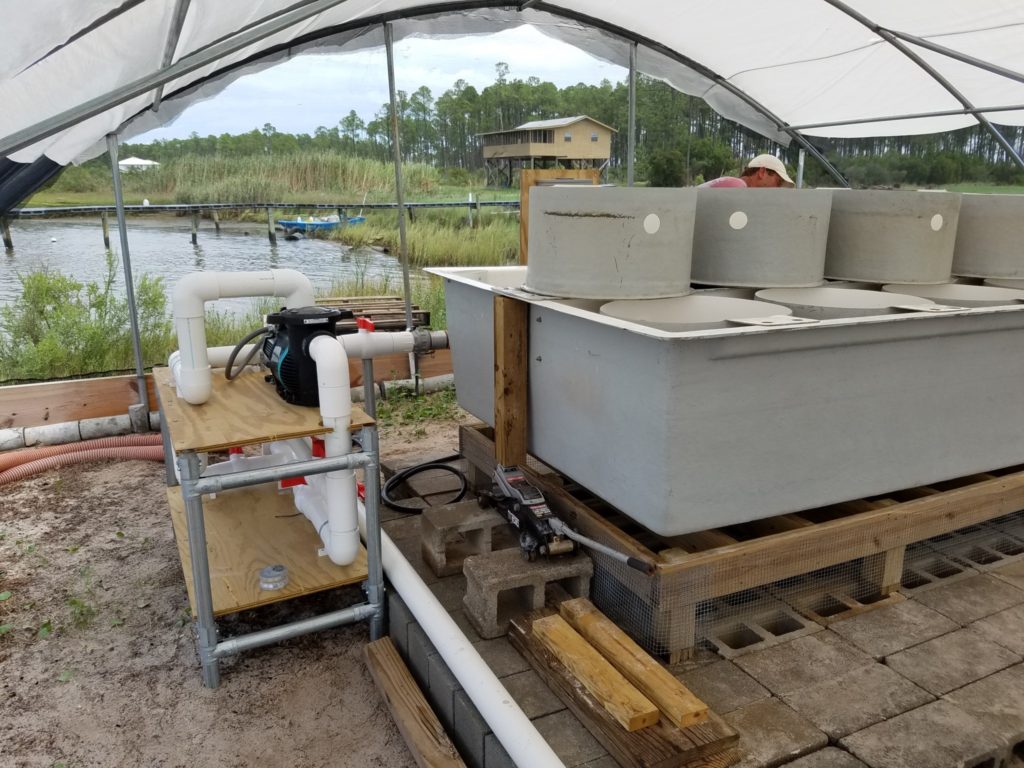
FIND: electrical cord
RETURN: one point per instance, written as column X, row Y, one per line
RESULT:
column 400, row 477
column 261, row 331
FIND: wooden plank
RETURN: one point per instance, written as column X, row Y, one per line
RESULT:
column 416, row 721
column 528, row 178
column 760, row 561
column 248, row 529
column 511, row 334
column 245, row 411
column 698, row 541
column 662, row 745
column 54, row 402
column 673, row 698
column 630, row 708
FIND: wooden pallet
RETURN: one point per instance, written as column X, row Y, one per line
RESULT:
column 697, row 567
column 386, row 312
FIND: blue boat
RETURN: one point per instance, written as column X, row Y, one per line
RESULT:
column 318, row 223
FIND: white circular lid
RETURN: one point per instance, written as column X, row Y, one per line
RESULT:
column 1005, row 282
column 685, row 312
column 838, row 298
column 960, row 294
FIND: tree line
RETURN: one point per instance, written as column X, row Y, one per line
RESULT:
column 671, row 128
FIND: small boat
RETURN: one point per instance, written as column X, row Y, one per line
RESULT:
column 317, row 223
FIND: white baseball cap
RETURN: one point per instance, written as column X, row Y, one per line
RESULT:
column 772, row 163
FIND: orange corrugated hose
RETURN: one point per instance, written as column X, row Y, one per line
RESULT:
column 14, row 458
column 21, row 471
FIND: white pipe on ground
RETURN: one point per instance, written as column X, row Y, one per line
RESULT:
column 511, row 726
column 188, row 301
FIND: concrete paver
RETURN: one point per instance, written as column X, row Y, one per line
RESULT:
column 937, row 735
column 531, row 694
column 971, row 599
column 998, row 701
column 805, row 661
column 857, row 700
column 1013, row 573
column 1005, row 628
column 570, row 740
column 888, row 630
column 830, row 757
column 772, row 734
column 951, row 661
column 723, row 686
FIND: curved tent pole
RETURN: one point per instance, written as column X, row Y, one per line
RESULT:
column 995, row 69
column 631, row 137
column 901, row 46
column 180, row 12
column 912, row 116
column 129, row 284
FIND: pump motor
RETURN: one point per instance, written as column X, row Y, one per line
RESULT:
column 285, row 349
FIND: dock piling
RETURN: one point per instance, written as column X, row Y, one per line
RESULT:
column 270, row 227
column 216, row 220
column 5, row 230
column 106, row 230
column 195, row 227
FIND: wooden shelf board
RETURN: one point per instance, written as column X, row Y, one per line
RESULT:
column 247, row 529
column 246, row 411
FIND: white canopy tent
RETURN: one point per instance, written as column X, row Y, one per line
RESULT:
column 838, row 68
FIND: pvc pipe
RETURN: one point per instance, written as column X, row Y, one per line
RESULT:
column 511, row 726
column 193, row 379
column 22, row 471
column 342, row 540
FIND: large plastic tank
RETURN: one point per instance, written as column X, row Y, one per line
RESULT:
column 882, row 236
column 693, row 430
column 590, row 242
column 760, row 238
column 961, row 295
column 827, row 303
column 690, row 313
column 990, row 237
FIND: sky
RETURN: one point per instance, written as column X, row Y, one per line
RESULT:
column 308, row 91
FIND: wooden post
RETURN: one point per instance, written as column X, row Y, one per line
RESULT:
column 195, row 227
column 477, row 206
column 216, row 220
column 5, row 230
column 106, row 230
column 342, row 216
column 469, row 210
column 511, row 350
column 528, row 177
column 412, row 214
column 270, row 227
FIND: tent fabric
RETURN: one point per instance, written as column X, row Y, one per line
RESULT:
column 765, row 65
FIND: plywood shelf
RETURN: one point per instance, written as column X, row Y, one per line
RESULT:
column 246, row 411
column 247, row 529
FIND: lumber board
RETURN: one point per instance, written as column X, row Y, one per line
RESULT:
column 416, row 721
column 55, row 402
column 248, row 529
column 662, row 745
column 528, row 178
column 673, row 698
column 511, row 333
column 630, row 708
column 246, row 411
column 387, row 368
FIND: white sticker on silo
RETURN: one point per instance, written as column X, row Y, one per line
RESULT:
column 652, row 223
column 936, row 222
column 738, row 220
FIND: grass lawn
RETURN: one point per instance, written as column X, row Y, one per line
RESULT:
column 984, row 188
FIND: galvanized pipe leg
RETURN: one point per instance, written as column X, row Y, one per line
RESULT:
column 206, row 626
column 375, row 569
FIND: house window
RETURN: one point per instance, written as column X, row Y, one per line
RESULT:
column 593, row 137
column 567, row 137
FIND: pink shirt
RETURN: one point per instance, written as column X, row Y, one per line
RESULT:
column 723, row 181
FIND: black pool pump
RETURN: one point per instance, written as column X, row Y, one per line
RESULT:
column 285, row 349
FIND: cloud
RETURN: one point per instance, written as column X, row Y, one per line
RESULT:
column 314, row 90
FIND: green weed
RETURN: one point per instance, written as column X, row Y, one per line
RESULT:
column 403, row 407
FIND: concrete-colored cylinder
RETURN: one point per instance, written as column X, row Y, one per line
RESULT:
column 610, row 243
column 1005, row 282
column 990, row 237
column 882, row 236
column 959, row 295
column 761, row 238
column 690, row 313
column 828, row 303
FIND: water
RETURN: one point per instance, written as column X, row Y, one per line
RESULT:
column 162, row 246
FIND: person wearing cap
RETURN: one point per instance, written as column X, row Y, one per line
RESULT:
column 764, row 171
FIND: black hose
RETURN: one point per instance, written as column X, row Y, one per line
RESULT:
column 261, row 331
column 400, row 477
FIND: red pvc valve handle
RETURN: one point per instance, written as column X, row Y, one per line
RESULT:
column 364, row 324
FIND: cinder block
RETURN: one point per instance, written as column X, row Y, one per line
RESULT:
column 420, row 649
column 770, row 625
column 442, row 685
column 771, row 733
column 453, row 532
column 469, row 730
column 502, row 584
column 893, row 628
column 399, row 619
column 951, row 661
column 939, row 734
column 857, row 700
column 495, row 755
